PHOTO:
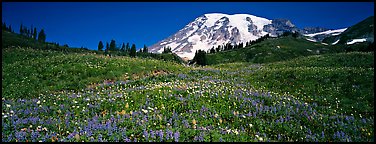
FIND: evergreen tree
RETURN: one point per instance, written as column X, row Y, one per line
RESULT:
column 240, row 45
column 295, row 34
column 200, row 57
column 218, row 48
column 133, row 51
column 42, row 36
column 122, row 48
column 21, row 30
column 10, row 28
column 100, row 46
column 35, row 34
column 107, row 47
column 127, row 48
column 112, row 45
column 31, row 33
column 3, row 26
column 212, row 50
column 167, row 50
column 27, row 33
column 145, row 49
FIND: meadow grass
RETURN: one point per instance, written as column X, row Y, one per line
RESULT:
column 50, row 97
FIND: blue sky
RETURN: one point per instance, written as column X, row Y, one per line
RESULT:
column 86, row 23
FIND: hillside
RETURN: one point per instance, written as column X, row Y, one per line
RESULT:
column 139, row 99
column 16, row 40
column 363, row 29
column 270, row 50
column 27, row 72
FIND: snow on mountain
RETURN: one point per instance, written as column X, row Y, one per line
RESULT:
column 214, row 29
column 312, row 40
column 335, row 42
column 211, row 30
column 356, row 41
column 328, row 32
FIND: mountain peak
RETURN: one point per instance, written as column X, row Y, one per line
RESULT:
column 214, row 29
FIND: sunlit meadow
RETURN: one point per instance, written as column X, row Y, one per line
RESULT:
column 145, row 100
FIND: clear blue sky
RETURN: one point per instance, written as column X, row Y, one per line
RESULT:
column 86, row 23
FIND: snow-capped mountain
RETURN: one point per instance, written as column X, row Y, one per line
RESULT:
column 211, row 30
column 216, row 29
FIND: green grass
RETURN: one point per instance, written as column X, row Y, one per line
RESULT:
column 67, row 96
column 28, row 72
column 226, row 102
column 344, row 80
column 267, row 51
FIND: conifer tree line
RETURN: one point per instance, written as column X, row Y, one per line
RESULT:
column 33, row 33
column 199, row 58
column 167, row 50
column 123, row 49
column 228, row 46
column 6, row 28
column 27, row 32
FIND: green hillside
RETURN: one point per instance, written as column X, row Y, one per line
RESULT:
column 270, row 50
column 363, row 29
column 27, row 72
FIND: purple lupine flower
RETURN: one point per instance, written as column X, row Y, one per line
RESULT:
column 100, row 138
column 152, row 134
column 70, row 136
column 309, row 131
column 160, row 134
column 146, row 134
column 364, row 120
column 168, row 134
column 127, row 139
column 223, row 132
column 176, row 136
column 342, row 134
column 200, row 138
column 322, row 134
column 279, row 136
column 220, row 139
column 34, row 135
column 92, row 139
column 186, row 124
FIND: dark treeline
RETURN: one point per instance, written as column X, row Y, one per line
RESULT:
column 113, row 49
column 6, row 28
column 30, row 37
column 228, row 46
column 127, row 49
column 199, row 58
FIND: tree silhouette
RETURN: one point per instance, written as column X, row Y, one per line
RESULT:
column 133, row 51
column 112, row 45
column 100, row 46
column 145, row 50
column 42, row 36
